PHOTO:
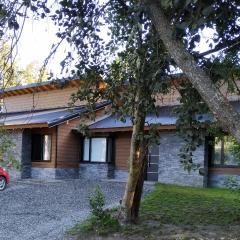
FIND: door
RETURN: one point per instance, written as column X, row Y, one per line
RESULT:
column 152, row 165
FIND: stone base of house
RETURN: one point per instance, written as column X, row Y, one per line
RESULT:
column 121, row 175
column 222, row 180
column 54, row 173
column 67, row 173
column 96, row 171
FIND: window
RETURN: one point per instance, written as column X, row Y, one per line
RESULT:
column 95, row 149
column 41, row 147
column 226, row 152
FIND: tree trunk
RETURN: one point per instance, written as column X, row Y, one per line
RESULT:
column 133, row 191
column 227, row 117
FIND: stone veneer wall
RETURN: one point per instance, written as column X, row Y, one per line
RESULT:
column 43, row 173
column 16, row 136
column 96, row 171
column 54, row 173
column 170, row 168
column 121, row 175
column 220, row 180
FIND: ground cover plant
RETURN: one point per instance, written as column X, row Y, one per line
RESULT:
column 175, row 212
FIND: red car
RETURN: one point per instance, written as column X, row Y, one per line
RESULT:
column 4, row 178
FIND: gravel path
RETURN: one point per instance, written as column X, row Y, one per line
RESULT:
column 38, row 210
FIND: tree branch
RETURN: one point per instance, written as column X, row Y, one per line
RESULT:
column 227, row 117
column 226, row 45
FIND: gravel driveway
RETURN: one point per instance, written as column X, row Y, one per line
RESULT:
column 40, row 210
column 43, row 210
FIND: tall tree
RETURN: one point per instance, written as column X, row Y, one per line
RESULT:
column 9, row 71
column 228, row 37
column 136, row 74
column 33, row 73
column 141, row 67
column 142, row 64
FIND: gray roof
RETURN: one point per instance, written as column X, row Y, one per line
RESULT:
column 51, row 117
column 165, row 117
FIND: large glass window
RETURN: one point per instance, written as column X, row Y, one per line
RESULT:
column 95, row 149
column 226, row 152
column 41, row 147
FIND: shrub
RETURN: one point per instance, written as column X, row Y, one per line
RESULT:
column 232, row 183
column 97, row 202
column 102, row 220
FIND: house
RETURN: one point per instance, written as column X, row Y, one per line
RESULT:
column 48, row 144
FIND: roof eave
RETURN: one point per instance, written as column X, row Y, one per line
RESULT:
column 23, row 126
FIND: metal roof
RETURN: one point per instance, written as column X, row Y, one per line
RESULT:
column 50, row 117
column 164, row 117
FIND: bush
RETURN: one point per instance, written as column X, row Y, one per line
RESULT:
column 102, row 222
column 232, row 183
column 97, row 202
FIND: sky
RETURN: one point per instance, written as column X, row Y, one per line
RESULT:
column 39, row 35
column 36, row 41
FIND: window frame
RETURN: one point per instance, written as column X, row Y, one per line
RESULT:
column 90, row 149
column 221, row 165
column 42, row 140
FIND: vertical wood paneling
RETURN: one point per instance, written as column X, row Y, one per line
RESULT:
column 122, row 150
column 69, row 142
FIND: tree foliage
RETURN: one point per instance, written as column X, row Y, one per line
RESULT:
column 133, row 66
column 134, row 63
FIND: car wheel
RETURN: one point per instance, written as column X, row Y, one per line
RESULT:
column 3, row 183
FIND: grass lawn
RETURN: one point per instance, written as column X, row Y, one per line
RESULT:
column 173, row 212
column 184, row 205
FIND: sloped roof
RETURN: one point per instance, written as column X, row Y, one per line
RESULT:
column 39, row 87
column 165, row 117
column 48, row 117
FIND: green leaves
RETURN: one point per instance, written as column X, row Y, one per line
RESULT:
column 7, row 155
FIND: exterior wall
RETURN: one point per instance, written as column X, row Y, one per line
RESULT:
column 17, row 137
column 121, row 175
column 95, row 171
column 68, row 145
column 170, row 169
column 43, row 173
column 54, row 173
column 122, row 151
column 170, row 99
column 218, row 177
column 53, row 133
column 69, row 142
column 26, row 154
column 220, row 180
column 39, row 100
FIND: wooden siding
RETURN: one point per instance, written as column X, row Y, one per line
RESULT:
column 122, row 150
column 225, row 171
column 69, row 142
column 170, row 99
column 39, row 100
column 51, row 131
column 173, row 97
column 68, row 145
